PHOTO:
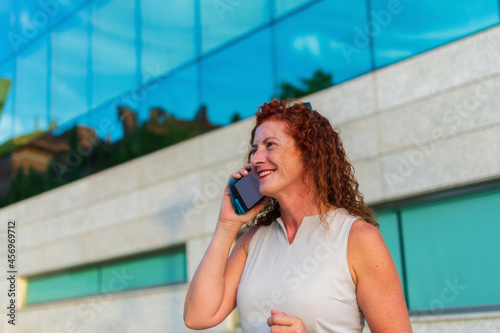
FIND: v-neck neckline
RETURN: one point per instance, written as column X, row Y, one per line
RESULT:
column 307, row 223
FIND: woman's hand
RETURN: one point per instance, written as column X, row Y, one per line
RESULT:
column 280, row 322
column 227, row 217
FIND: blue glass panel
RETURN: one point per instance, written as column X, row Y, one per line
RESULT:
column 31, row 90
column 6, row 111
column 36, row 17
column 170, row 112
column 402, row 29
column 69, row 69
column 62, row 286
column 284, row 6
column 451, row 250
column 113, row 49
column 323, row 44
column 168, row 35
column 176, row 94
column 238, row 79
column 389, row 228
column 225, row 20
column 150, row 271
column 58, row 10
column 9, row 38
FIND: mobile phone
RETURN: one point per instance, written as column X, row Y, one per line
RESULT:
column 244, row 193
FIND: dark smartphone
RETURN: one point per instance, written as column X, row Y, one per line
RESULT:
column 245, row 193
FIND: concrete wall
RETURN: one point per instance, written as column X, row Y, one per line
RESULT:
column 427, row 123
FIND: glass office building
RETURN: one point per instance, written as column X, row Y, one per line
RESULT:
column 86, row 85
column 90, row 84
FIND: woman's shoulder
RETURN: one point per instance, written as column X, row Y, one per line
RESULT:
column 363, row 236
column 249, row 234
column 246, row 238
column 365, row 245
column 363, row 229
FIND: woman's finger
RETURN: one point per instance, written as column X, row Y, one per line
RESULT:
column 242, row 172
column 280, row 319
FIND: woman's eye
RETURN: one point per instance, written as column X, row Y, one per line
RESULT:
column 269, row 144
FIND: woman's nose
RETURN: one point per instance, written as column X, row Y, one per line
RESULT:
column 258, row 158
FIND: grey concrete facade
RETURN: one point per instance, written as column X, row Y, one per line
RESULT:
column 428, row 123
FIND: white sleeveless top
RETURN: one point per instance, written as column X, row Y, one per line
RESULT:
column 308, row 279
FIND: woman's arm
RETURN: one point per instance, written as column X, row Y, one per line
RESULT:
column 212, row 293
column 379, row 292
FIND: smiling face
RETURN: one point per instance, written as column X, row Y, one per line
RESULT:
column 277, row 161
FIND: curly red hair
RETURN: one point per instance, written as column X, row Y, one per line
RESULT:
column 324, row 157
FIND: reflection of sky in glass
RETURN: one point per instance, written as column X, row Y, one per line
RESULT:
column 69, row 69
column 35, row 17
column 168, row 35
column 31, row 89
column 418, row 26
column 6, row 117
column 283, row 6
column 221, row 21
column 7, row 19
column 113, row 49
column 176, row 94
column 238, row 79
column 322, row 42
column 38, row 15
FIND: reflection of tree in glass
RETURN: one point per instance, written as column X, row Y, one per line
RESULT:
column 235, row 117
column 159, row 131
column 67, row 163
column 24, row 185
column 319, row 81
column 4, row 89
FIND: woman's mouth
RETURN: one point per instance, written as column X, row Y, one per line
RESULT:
column 265, row 173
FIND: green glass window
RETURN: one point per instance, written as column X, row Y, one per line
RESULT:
column 147, row 271
column 62, row 286
column 390, row 231
column 451, row 250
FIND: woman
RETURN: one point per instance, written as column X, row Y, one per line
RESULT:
column 313, row 259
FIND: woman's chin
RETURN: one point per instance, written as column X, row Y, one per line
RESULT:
column 268, row 192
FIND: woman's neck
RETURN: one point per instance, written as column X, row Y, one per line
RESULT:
column 294, row 206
